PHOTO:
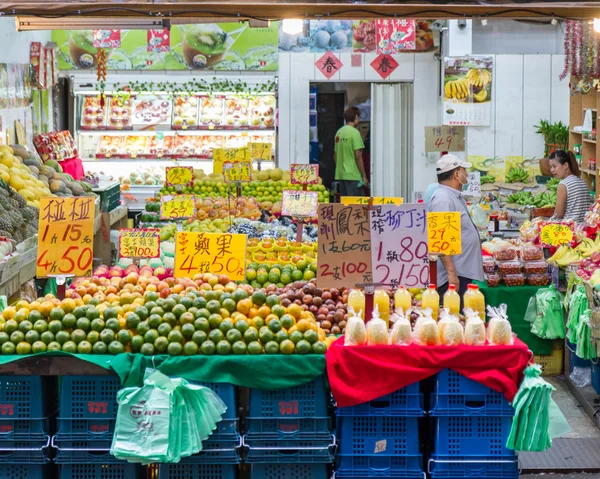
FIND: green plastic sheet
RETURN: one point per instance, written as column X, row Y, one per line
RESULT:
column 102, row 360
column 546, row 315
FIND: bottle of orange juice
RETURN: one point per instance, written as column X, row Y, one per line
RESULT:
column 356, row 299
column 452, row 300
column 402, row 299
column 475, row 300
column 431, row 300
column 382, row 301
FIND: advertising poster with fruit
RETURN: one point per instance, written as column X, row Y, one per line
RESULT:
column 330, row 35
column 468, row 91
column 364, row 36
column 207, row 46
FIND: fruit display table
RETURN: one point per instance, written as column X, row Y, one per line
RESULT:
column 517, row 298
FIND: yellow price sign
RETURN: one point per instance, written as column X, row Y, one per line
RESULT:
column 444, row 233
column 217, row 253
column 556, row 234
column 304, row 174
column 179, row 176
column 66, row 237
column 261, row 151
column 377, row 200
column 174, row 207
column 139, row 243
column 229, row 155
column 239, row 171
column 299, row 204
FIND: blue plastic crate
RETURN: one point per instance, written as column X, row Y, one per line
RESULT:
column 290, row 452
column 308, row 400
column 70, row 429
column 407, row 401
column 16, row 452
column 22, row 471
column 308, row 429
column 461, row 467
column 466, row 436
column 574, row 360
column 457, row 395
column 22, row 408
column 288, row 471
column 227, row 394
column 98, row 471
column 377, row 465
column 196, row 471
column 89, row 397
column 596, row 376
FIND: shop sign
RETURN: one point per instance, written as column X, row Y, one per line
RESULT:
column 556, row 234
column 444, row 138
column 229, row 155
column 384, row 65
column 179, row 176
column 399, row 245
column 66, row 237
column 444, row 233
column 377, row 200
column 238, row 171
column 173, row 207
column 261, row 151
column 305, row 174
column 299, row 204
column 329, row 65
column 217, row 253
column 139, row 243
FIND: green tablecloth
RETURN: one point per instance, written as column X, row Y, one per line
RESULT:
column 517, row 298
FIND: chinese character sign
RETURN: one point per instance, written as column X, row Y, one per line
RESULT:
column 394, row 36
column 217, row 253
column 238, row 171
column 229, row 155
column 444, row 233
column 107, row 38
column 139, row 243
column 444, row 138
column 299, row 204
column 179, row 176
column 174, row 207
column 159, row 41
column 66, row 237
column 474, row 185
column 377, row 200
column 344, row 246
column 305, row 174
column 399, row 245
column 329, row 65
column 384, row 65
column 261, row 151
column 556, row 234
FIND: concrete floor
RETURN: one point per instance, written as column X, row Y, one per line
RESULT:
column 581, row 424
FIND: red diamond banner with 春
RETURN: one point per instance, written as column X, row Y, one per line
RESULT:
column 384, row 65
column 329, row 65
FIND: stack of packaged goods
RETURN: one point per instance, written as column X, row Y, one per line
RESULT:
column 516, row 267
column 289, row 432
column 472, row 423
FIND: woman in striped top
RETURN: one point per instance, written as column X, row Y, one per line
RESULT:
column 573, row 195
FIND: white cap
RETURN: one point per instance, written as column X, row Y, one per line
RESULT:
column 450, row 162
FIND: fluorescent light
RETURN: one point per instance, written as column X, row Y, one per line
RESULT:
column 87, row 23
column 292, row 26
column 597, row 25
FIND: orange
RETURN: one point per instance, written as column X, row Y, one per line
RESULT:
column 9, row 313
column 270, row 317
column 253, row 313
column 22, row 304
column 278, row 310
column 295, row 310
column 68, row 305
column 122, row 323
column 293, row 329
column 287, row 347
column 46, row 307
column 244, row 306
column 303, row 325
column 264, row 311
column 314, row 327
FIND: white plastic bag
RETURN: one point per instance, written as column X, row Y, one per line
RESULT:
column 451, row 331
column 377, row 331
column 499, row 331
column 356, row 333
column 426, row 331
column 401, row 333
column 474, row 328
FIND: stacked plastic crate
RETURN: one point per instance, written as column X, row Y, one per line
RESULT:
column 472, row 423
column 289, row 433
column 85, row 427
column 380, row 438
column 24, row 426
column 220, row 453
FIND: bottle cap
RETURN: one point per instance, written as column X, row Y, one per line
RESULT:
column 432, row 286
column 472, row 286
column 452, row 287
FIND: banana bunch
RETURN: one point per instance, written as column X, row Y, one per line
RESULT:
column 458, row 89
column 543, row 200
column 552, row 184
column 522, row 198
column 564, row 256
column 481, row 96
column 588, row 247
column 479, row 78
column 517, row 175
column 485, row 179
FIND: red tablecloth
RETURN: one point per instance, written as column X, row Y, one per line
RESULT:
column 73, row 167
column 359, row 374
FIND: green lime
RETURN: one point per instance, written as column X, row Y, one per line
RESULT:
column 132, row 321
column 62, row 337
column 175, row 337
column 272, row 347
column 199, row 337
column 202, row 324
column 110, row 313
column 188, row 330
column 84, row 347
column 161, row 344
column 32, row 336
column 93, row 337
column 239, row 347
column 69, row 347
column 9, row 348
column 115, row 348
column 223, row 348
column 46, row 337
column 97, row 325
column 175, row 349
column 54, row 327
column 233, row 335
column 190, row 348
column 208, row 348
column 255, row 348
column 136, row 343
column 83, row 324
column 142, row 328
column 319, row 347
column 53, row 346
column 147, row 349
column 107, row 336
column 164, row 329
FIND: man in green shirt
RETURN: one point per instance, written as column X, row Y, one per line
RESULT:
column 349, row 166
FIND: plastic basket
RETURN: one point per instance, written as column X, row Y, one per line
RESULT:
column 552, row 364
column 359, row 435
column 379, row 466
column 69, row 429
column 288, row 471
column 407, row 401
column 290, row 452
column 574, row 360
column 461, row 467
column 196, row 471
column 22, row 471
column 596, row 376
column 308, row 400
column 22, row 408
column 15, row 452
column 472, row 436
column 227, row 394
column 98, row 471
column 89, row 397
column 315, row 429
column 457, row 395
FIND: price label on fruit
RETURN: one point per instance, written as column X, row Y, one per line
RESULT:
column 174, row 207
column 299, row 204
column 66, row 237
column 444, row 233
column 261, row 151
column 377, row 200
column 229, row 155
column 139, row 243
column 179, row 176
column 217, row 253
column 238, row 171
column 304, row 174
column 555, row 234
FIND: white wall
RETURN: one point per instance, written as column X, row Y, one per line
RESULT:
column 514, row 37
column 15, row 45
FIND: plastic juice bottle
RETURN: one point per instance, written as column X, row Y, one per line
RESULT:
column 452, row 300
column 402, row 299
column 382, row 300
column 475, row 300
column 431, row 300
column 356, row 299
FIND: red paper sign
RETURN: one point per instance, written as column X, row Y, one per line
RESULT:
column 159, row 41
column 329, row 65
column 305, row 174
column 394, row 36
column 384, row 65
column 107, row 38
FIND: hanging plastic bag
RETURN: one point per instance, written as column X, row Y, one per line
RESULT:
column 426, row 331
column 377, row 330
column 581, row 377
column 499, row 328
column 474, row 328
column 401, row 333
column 578, row 304
column 356, row 333
column 586, row 348
column 480, row 217
column 451, row 331
column 549, row 321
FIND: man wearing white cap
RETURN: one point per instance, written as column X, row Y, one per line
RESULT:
column 459, row 270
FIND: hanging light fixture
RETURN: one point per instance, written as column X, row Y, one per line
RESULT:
column 292, row 26
column 597, row 25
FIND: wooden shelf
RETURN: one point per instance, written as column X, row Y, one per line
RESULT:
column 589, row 172
column 572, row 133
column 589, row 141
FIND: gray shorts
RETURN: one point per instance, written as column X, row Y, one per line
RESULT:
column 350, row 188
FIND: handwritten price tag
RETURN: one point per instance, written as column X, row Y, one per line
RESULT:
column 444, row 138
column 66, row 237
column 299, row 204
column 444, row 233
column 261, row 151
column 377, row 200
column 174, row 207
column 217, row 253
column 474, row 186
column 179, row 176
column 303, row 174
column 139, row 243
column 556, row 234
column 239, row 171
column 229, row 155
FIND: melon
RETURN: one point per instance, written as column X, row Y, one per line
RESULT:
column 54, row 165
